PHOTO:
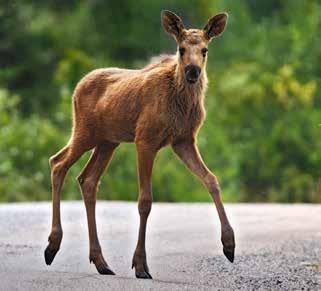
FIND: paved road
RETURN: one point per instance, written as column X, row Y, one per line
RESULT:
column 278, row 247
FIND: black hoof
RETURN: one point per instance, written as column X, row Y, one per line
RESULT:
column 141, row 268
column 50, row 255
column 229, row 254
column 103, row 270
column 143, row 275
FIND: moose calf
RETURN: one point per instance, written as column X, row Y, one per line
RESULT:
column 161, row 104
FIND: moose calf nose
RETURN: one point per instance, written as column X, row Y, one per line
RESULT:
column 192, row 73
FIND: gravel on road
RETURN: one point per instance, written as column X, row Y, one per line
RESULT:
column 278, row 247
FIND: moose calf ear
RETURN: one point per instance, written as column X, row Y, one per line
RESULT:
column 172, row 24
column 215, row 25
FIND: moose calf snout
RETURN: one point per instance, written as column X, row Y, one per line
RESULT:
column 192, row 73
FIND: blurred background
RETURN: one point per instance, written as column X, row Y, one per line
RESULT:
column 262, row 132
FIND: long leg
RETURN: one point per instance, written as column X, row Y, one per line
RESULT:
column 145, row 156
column 88, row 181
column 60, row 164
column 187, row 151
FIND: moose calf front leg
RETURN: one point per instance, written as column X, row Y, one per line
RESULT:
column 188, row 153
column 145, row 158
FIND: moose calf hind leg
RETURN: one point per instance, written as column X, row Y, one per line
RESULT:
column 58, row 172
column 89, row 189
column 60, row 164
column 88, row 181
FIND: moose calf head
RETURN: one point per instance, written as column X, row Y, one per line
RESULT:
column 192, row 43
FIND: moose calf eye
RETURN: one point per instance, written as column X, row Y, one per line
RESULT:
column 181, row 51
column 204, row 51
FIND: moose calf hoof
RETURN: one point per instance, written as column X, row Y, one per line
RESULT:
column 143, row 275
column 229, row 253
column 228, row 242
column 101, row 265
column 141, row 268
column 104, row 270
column 53, row 247
column 50, row 254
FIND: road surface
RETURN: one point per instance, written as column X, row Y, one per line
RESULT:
column 278, row 247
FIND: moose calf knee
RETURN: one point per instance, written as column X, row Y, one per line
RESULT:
column 144, row 204
column 55, row 162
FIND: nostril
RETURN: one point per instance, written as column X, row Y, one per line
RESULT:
column 192, row 72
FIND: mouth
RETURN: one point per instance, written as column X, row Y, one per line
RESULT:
column 191, row 80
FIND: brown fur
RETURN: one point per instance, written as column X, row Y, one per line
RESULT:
column 153, row 107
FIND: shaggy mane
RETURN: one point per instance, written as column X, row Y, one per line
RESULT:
column 159, row 60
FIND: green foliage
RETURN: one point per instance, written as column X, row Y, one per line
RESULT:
column 262, row 133
column 24, row 148
column 275, row 108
